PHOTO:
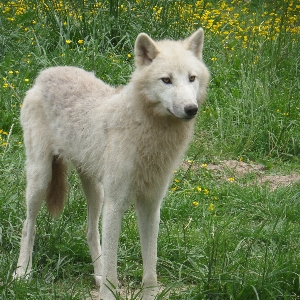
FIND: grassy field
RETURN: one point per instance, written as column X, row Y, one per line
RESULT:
column 225, row 233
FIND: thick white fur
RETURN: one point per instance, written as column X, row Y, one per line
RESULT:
column 125, row 144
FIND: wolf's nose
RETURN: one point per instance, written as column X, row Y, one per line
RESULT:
column 191, row 110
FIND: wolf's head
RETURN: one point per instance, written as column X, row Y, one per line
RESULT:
column 171, row 74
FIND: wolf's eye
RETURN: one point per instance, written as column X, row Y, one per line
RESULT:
column 192, row 78
column 166, row 80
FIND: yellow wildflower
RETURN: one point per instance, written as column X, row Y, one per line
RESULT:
column 206, row 191
column 211, row 207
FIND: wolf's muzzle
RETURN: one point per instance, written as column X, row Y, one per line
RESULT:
column 191, row 110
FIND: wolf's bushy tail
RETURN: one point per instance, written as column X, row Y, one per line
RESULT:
column 58, row 186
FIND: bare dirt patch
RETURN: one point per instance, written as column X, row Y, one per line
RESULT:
column 94, row 295
column 238, row 169
column 275, row 181
column 123, row 292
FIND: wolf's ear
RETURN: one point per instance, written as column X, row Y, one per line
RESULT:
column 195, row 42
column 145, row 50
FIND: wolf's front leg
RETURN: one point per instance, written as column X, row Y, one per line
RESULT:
column 148, row 221
column 94, row 194
column 111, row 227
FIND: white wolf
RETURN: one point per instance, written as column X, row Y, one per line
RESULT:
column 125, row 144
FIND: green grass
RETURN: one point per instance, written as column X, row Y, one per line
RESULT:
column 219, row 238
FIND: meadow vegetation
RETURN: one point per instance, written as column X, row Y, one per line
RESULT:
column 222, row 236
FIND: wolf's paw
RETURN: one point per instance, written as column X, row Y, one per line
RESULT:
column 98, row 279
column 20, row 273
column 149, row 293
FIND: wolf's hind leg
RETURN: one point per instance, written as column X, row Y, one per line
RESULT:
column 94, row 195
column 38, row 175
